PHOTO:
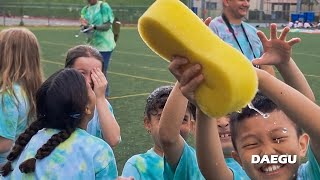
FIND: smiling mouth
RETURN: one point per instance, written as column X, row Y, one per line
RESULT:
column 224, row 135
column 271, row 168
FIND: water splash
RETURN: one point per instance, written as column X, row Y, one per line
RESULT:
column 76, row 35
column 264, row 115
column 284, row 130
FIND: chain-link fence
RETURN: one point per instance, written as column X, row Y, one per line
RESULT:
column 51, row 14
column 58, row 14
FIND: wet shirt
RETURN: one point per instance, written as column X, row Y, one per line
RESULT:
column 99, row 14
column 81, row 156
column 187, row 167
column 13, row 114
column 93, row 126
column 309, row 170
column 144, row 166
column 218, row 26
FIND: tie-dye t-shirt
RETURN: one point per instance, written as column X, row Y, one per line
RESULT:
column 99, row 14
column 187, row 167
column 218, row 26
column 144, row 166
column 81, row 156
column 13, row 114
column 93, row 126
column 311, row 169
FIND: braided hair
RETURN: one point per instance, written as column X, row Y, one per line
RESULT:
column 58, row 107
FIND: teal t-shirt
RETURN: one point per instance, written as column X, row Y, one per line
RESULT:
column 99, row 14
column 13, row 115
column 309, row 170
column 144, row 166
column 81, row 156
column 187, row 167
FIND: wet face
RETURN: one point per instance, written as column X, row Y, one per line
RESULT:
column 85, row 65
column 225, row 135
column 237, row 8
column 152, row 126
column 275, row 135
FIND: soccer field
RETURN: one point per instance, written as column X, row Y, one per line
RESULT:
column 135, row 71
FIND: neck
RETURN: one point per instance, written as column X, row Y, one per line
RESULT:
column 158, row 150
column 232, row 19
column 84, row 122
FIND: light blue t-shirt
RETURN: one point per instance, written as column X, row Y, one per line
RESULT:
column 309, row 170
column 81, row 156
column 93, row 126
column 13, row 115
column 144, row 166
column 187, row 167
column 218, row 26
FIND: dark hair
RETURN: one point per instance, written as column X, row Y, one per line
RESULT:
column 61, row 101
column 81, row 51
column 157, row 100
column 260, row 102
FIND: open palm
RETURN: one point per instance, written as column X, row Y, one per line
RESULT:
column 276, row 49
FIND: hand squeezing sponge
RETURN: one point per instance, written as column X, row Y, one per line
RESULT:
column 169, row 28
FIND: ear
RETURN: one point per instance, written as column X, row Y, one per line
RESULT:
column 303, row 144
column 147, row 123
column 87, row 111
column 236, row 157
column 225, row 3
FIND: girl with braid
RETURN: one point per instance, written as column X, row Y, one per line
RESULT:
column 56, row 145
column 20, row 78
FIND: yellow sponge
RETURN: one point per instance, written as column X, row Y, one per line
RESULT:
column 169, row 28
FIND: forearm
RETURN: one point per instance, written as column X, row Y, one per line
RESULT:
column 170, row 122
column 208, row 146
column 296, row 106
column 269, row 69
column 292, row 75
column 109, row 126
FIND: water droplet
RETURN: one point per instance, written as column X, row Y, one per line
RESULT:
column 284, row 130
column 274, row 123
column 76, row 35
column 264, row 115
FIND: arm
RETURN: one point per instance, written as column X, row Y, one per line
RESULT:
column 207, row 137
column 5, row 145
column 268, row 69
column 169, row 127
column 291, row 101
column 209, row 147
column 109, row 126
column 278, row 52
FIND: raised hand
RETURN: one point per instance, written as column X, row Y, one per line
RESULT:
column 277, row 50
column 188, row 75
column 99, row 81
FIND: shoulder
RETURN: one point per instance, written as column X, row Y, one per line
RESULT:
column 249, row 27
column 216, row 22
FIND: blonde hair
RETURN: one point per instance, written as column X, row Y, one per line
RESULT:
column 20, row 63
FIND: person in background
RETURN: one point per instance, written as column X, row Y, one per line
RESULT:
column 20, row 77
column 97, row 18
column 88, row 61
column 242, row 36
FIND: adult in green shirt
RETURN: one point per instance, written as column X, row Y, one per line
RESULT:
column 96, row 19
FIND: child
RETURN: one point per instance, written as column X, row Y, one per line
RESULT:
column 180, row 158
column 89, row 62
column 150, row 165
column 20, row 78
column 254, row 135
column 56, row 145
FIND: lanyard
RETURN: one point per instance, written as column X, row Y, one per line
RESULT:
column 225, row 19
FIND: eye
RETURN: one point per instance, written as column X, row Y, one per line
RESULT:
column 279, row 139
column 250, row 145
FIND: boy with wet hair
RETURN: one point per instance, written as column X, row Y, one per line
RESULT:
column 276, row 135
column 150, row 164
